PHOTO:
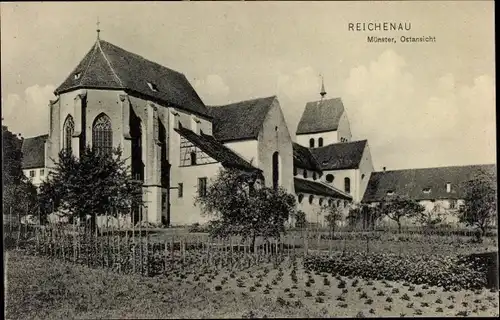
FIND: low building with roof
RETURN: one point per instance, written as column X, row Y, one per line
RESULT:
column 33, row 158
column 440, row 189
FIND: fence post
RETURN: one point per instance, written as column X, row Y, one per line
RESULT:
column 231, row 245
column 166, row 257
column 183, row 250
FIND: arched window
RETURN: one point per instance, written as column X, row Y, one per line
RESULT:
column 102, row 134
column 347, row 185
column 311, row 199
column 314, row 176
column 320, row 201
column 330, row 202
column 276, row 173
column 311, row 143
column 320, row 142
column 69, row 129
column 301, row 196
column 305, row 173
column 329, row 178
column 362, row 176
column 193, row 158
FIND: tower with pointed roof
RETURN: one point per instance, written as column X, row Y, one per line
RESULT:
column 323, row 122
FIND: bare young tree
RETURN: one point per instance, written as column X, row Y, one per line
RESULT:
column 480, row 207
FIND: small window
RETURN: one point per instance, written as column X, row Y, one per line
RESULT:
column 426, row 190
column 294, row 170
column 453, row 204
column 180, row 190
column 152, row 86
column 77, row 75
column 202, row 187
column 347, row 185
column 201, row 131
column 320, row 142
column 362, row 176
column 314, row 176
column 448, row 187
column 301, row 197
column 311, row 199
column 320, row 201
column 330, row 202
column 305, row 173
column 329, row 178
column 42, row 172
column 276, row 128
column 311, row 143
column 32, row 173
column 390, row 193
column 193, row 158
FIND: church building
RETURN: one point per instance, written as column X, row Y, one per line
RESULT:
column 175, row 144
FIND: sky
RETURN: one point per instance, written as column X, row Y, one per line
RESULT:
column 417, row 104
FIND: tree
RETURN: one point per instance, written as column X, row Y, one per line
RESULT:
column 397, row 207
column 242, row 205
column 18, row 194
column 96, row 183
column 431, row 218
column 300, row 219
column 480, row 207
column 332, row 217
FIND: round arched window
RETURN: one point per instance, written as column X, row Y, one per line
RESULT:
column 305, row 173
column 301, row 196
column 311, row 199
column 330, row 202
column 314, row 176
column 329, row 178
column 320, row 201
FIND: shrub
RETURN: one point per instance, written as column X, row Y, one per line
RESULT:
column 436, row 270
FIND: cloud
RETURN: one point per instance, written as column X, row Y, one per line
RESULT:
column 409, row 121
column 212, row 89
column 301, row 83
column 407, row 126
column 28, row 114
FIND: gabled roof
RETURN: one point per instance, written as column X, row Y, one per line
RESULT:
column 303, row 158
column 216, row 150
column 339, row 156
column 107, row 66
column 240, row 120
column 412, row 182
column 33, row 150
column 321, row 116
column 317, row 188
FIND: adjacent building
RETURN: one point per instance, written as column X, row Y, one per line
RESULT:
column 440, row 190
column 34, row 151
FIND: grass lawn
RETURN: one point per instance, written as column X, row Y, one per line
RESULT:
column 38, row 288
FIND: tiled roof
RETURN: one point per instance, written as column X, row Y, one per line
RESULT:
column 412, row 182
column 339, row 156
column 318, row 188
column 321, row 116
column 33, row 150
column 241, row 120
column 216, row 150
column 302, row 158
column 111, row 67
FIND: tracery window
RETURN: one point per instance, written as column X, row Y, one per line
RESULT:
column 102, row 134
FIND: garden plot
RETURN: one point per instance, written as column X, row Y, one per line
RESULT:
column 337, row 296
